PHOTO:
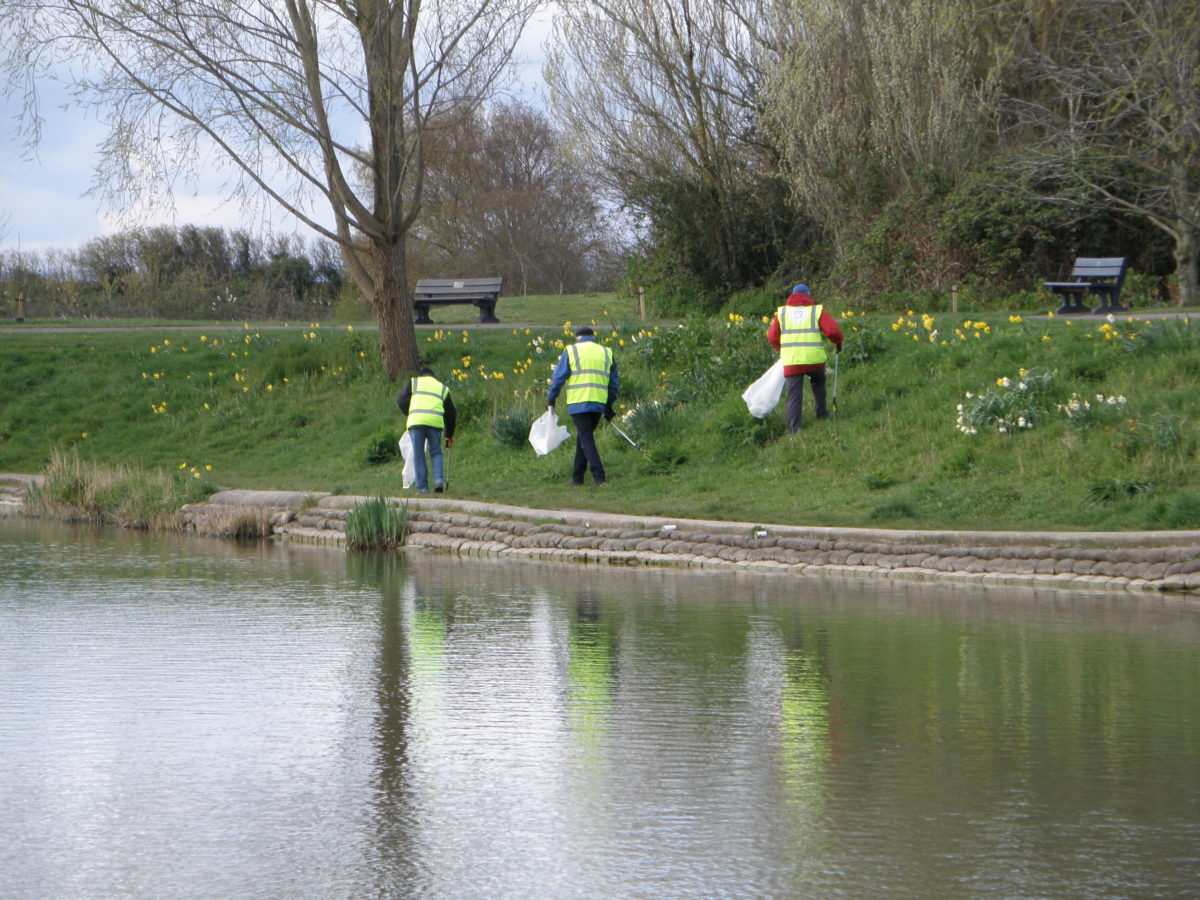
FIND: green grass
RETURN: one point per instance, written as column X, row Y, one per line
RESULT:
column 309, row 409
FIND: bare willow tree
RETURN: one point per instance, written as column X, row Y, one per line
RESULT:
column 329, row 99
column 873, row 97
column 1117, row 117
column 659, row 88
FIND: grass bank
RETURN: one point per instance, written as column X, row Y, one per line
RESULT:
column 943, row 421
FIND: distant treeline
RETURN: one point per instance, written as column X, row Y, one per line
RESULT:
column 177, row 272
column 502, row 198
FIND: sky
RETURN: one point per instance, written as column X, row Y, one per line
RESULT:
column 43, row 202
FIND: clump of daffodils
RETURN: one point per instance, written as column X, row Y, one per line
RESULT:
column 1101, row 410
column 1010, row 405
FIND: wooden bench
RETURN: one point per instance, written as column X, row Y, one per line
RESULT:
column 482, row 292
column 1092, row 276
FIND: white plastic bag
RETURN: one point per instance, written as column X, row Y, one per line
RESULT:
column 762, row 396
column 409, row 478
column 546, row 433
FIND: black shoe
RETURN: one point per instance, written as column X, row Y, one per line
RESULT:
column 438, row 488
column 575, row 483
column 600, row 482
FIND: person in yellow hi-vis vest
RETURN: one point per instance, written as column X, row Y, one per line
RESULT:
column 588, row 371
column 426, row 402
column 798, row 332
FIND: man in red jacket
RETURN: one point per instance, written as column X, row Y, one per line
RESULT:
column 798, row 331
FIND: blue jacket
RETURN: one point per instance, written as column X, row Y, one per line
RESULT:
column 563, row 371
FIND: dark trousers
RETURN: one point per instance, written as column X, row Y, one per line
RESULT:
column 795, row 397
column 586, row 453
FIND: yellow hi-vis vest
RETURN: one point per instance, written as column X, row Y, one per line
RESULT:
column 800, row 340
column 428, row 403
column 589, row 364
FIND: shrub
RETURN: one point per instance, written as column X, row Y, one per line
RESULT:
column 511, row 428
column 647, row 420
column 1110, row 490
column 716, row 353
column 664, row 458
column 878, row 481
column 740, row 429
column 865, row 339
column 1180, row 512
column 383, row 447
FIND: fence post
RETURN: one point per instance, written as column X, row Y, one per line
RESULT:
column 642, row 302
column 954, row 298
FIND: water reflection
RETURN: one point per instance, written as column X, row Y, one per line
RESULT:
column 591, row 678
column 194, row 718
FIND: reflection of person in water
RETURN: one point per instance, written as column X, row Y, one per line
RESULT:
column 804, row 726
column 393, row 697
column 591, row 673
column 413, row 636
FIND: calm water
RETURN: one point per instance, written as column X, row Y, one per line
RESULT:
column 191, row 718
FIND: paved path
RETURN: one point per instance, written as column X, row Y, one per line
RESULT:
column 31, row 327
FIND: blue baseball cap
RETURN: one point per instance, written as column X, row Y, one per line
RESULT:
column 800, row 289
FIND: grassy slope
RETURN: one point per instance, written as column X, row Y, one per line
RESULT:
column 299, row 408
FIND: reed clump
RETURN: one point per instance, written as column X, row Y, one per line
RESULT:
column 78, row 490
column 376, row 524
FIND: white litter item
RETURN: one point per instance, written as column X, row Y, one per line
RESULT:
column 546, row 433
column 763, row 396
column 409, row 478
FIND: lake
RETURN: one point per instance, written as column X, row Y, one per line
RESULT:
column 183, row 717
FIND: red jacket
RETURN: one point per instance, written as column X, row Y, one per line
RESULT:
column 827, row 323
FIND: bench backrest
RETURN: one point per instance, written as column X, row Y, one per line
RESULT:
column 451, row 287
column 1112, row 267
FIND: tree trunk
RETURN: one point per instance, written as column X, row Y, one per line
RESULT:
column 393, row 309
column 1185, row 266
column 1184, row 202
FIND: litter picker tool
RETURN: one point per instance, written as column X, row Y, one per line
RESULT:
column 627, row 437
column 836, row 357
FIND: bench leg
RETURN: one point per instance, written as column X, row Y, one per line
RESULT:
column 1108, row 304
column 487, row 313
column 1071, row 305
column 422, row 317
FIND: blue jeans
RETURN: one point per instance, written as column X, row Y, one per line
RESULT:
column 420, row 435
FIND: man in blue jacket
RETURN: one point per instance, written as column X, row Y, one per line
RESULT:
column 588, row 371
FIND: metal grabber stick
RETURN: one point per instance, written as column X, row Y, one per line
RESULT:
column 836, row 357
column 627, row 437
